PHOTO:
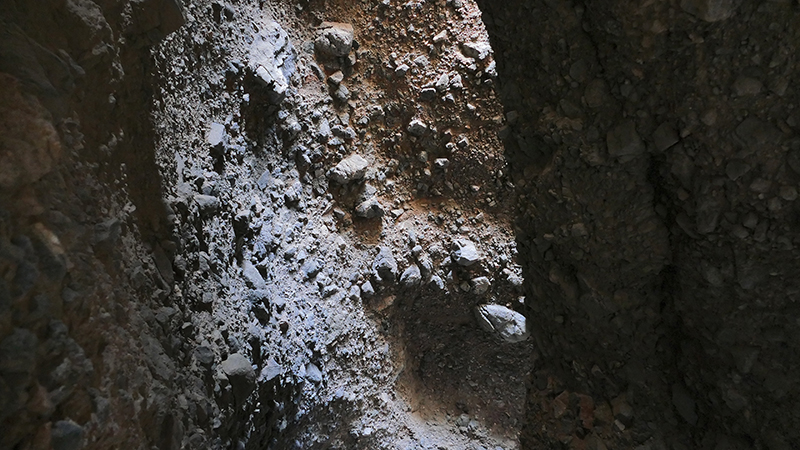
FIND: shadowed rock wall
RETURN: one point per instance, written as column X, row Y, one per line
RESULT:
column 655, row 149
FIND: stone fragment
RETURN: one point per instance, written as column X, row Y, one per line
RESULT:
column 684, row 404
column 310, row 268
column 334, row 39
column 710, row 10
column 337, row 78
column 252, row 276
column 367, row 290
column 417, row 128
column 385, row 266
column 745, row 86
column 272, row 60
column 477, row 50
column 240, row 373
column 216, row 134
column 509, row 325
column 349, row 169
column 788, row 193
column 665, row 136
column 369, row 209
column 271, row 370
column 66, row 435
column 293, row 193
column 313, row 373
column 441, row 163
column 623, row 140
column 208, row 204
column 401, row 70
column 440, row 37
column 411, row 276
column 736, row 168
column 465, row 253
column 757, row 134
column 204, row 356
column 481, row 285
column 442, row 83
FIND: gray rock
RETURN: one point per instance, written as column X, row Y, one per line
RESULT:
column 442, row 83
column 623, row 140
column 736, row 168
column 204, row 356
column 334, row 39
column 216, row 134
column 417, row 128
column 710, row 10
column 437, row 282
column 272, row 60
column 401, row 70
column 477, row 50
column 252, row 276
column 294, row 193
column 310, row 268
column 411, row 276
column 271, row 370
column 367, row 290
column 665, row 136
column 684, row 404
column 745, row 86
column 313, row 373
column 369, row 209
column 509, row 325
column 481, row 285
column 66, row 435
column 208, row 204
column 465, row 253
column 757, row 134
column 349, row 169
column 240, row 373
column 427, row 94
column 385, row 266
column 337, row 78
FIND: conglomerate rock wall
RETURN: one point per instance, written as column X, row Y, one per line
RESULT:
column 654, row 146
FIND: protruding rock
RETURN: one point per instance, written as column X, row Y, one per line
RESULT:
column 481, row 285
column 241, row 375
column 477, row 50
column 417, row 128
column 623, row 140
column 216, row 134
column 710, row 10
column 272, row 60
column 411, row 276
column 665, row 136
column 334, row 39
column 465, row 253
column 509, row 325
column 66, row 435
column 369, row 209
column 684, row 404
column 385, row 266
column 208, row 204
column 349, row 169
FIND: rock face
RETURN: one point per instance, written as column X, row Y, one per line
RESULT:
column 508, row 324
column 349, row 169
column 644, row 221
column 334, row 39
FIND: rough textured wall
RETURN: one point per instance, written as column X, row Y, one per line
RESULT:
column 82, row 358
column 655, row 149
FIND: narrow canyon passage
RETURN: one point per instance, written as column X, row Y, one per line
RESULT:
column 429, row 224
